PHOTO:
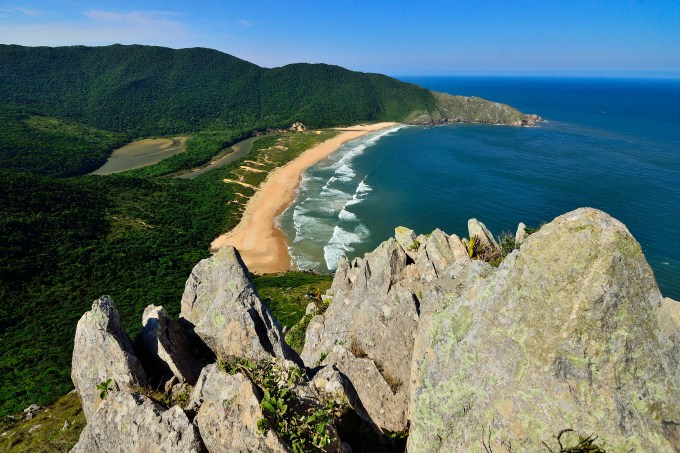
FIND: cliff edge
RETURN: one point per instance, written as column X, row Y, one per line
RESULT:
column 421, row 343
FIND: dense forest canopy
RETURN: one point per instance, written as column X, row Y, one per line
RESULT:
column 66, row 238
column 153, row 90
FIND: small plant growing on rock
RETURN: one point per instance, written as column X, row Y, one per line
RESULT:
column 472, row 246
column 105, row 387
column 394, row 382
column 414, row 246
column 356, row 349
column 305, row 427
column 584, row 444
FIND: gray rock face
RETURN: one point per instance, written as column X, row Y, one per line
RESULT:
column 570, row 332
column 383, row 397
column 229, row 409
column 102, row 351
column 129, row 422
column 373, row 313
column 222, row 304
column 331, row 385
column 167, row 344
column 439, row 252
column 406, row 238
column 481, row 232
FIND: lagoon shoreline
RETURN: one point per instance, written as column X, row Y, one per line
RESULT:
column 262, row 244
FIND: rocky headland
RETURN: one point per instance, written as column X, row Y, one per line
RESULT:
column 429, row 343
column 471, row 109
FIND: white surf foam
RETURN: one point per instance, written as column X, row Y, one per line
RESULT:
column 340, row 243
column 346, row 215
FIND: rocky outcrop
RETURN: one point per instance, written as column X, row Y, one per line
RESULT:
column 103, row 352
column 520, row 234
column 297, row 127
column 470, row 109
column 168, row 346
column 229, row 409
column 130, row 422
column 374, row 315
column 483, row 236
column 223, row 309
column 568, row 333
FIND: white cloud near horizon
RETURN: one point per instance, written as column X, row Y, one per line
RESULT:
column 245, row 23
column 100, row 27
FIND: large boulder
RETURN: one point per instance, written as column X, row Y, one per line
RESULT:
column 130, row 422
column 221, row 306
column 569, row 333
column 168, row 347
column 228, row 412
column 102, row 351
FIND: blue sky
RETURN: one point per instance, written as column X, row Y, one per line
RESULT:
column 393, row 37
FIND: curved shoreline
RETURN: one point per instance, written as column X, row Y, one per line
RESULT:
column 260, row 242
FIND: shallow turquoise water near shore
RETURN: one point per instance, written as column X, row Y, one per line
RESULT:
column 612, row 144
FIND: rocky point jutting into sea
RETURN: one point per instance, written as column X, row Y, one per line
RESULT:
column 420, row 343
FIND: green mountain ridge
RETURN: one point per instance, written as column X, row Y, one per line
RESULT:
column 153, row 90
column 66, row 239
column 140, row 91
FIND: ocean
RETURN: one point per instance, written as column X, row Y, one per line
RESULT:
column 611, row 144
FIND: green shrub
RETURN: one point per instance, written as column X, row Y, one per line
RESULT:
column 305, row 426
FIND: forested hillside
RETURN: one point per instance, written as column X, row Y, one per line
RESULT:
column 147, row 90
column 66, row 238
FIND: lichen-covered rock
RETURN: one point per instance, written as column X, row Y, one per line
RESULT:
column 439, row 251
column 331, row 385
column 477, row 229
column 228, row 412
column 222, row 305
column 168, row 347
column 406, row 238
column 383, row 397
column 102, row 351
column 373, row 311
column 130, row 422
column 570, row 332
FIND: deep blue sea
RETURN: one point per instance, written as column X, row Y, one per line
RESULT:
column 612, row 144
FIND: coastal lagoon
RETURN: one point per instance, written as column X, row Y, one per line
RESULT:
column 237, row 151
column 611, row 144
column 141, row 153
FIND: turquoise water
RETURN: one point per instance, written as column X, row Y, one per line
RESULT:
column 612, row 144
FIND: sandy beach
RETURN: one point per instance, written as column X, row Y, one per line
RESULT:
column 262, row 245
